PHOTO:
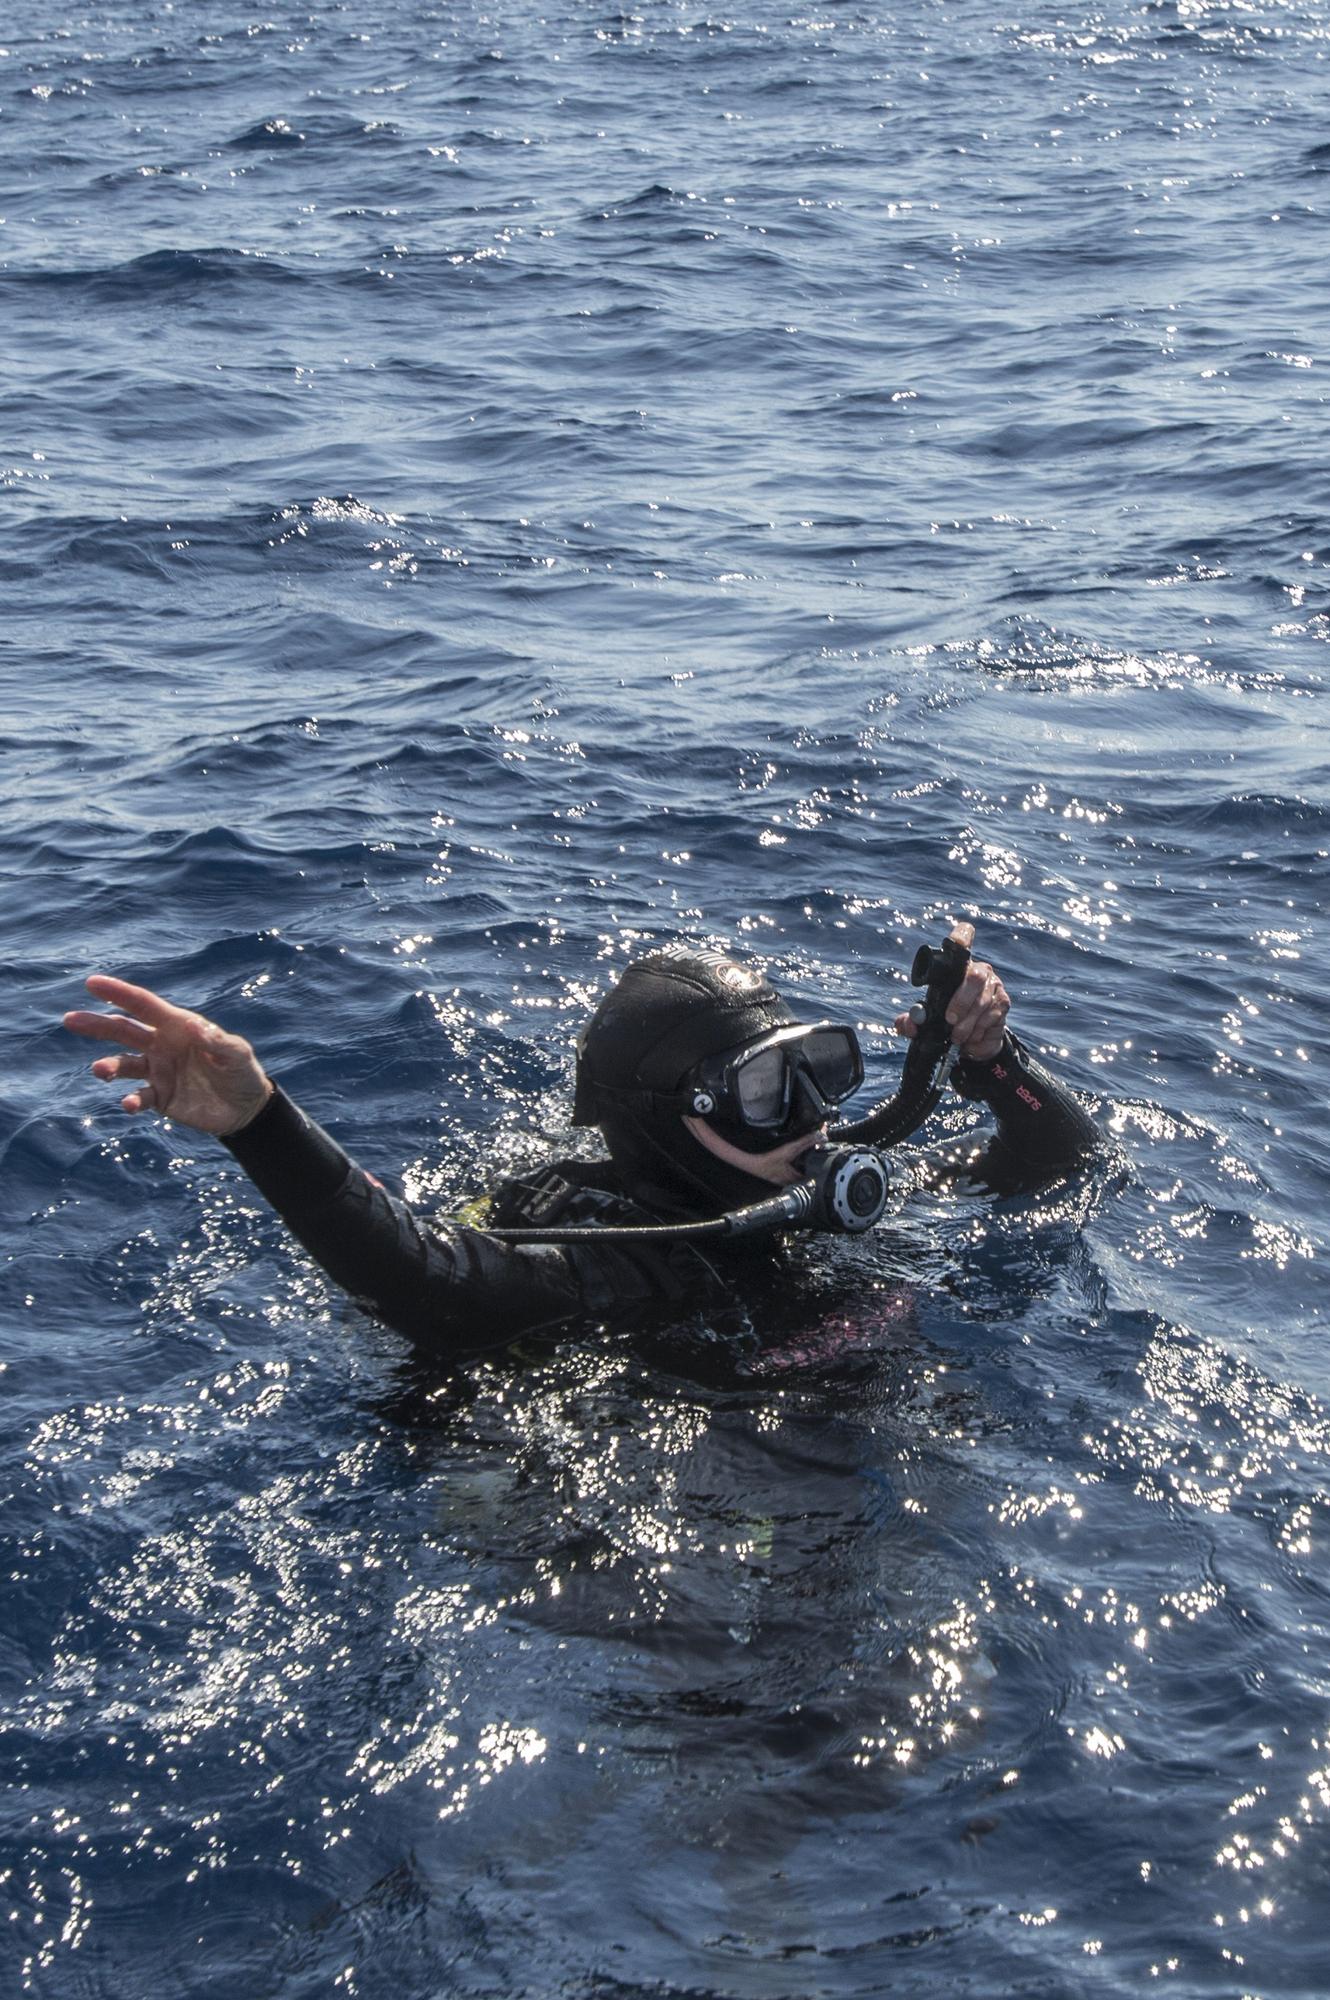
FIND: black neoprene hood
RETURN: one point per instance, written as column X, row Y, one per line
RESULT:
column 668, row 1012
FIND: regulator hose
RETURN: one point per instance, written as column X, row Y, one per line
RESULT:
column 845, row 1190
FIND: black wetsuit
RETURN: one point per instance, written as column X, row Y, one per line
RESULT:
column 456, row 1291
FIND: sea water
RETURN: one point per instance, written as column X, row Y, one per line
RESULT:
column 483, row 491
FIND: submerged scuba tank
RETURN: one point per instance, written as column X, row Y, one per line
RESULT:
column 845, row 1190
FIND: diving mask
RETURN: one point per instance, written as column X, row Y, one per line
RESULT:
column 788, row 1080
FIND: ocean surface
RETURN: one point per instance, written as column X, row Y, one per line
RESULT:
column 484, row 490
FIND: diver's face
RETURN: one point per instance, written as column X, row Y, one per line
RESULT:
column 779, row 1165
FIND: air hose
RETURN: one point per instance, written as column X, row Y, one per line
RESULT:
column 846, row 1190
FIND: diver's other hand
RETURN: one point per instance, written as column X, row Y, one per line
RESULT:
column 978, row 1009
column 181, row 1064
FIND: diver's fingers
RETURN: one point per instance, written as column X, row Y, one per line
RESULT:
column 975, row 993
column 109, row 1028
column 962, row 933
column 964, row 1001
column 114, row 1069
column 904, row 1025
column 138, row 1001
column 142, row 1099
column 979, row 1012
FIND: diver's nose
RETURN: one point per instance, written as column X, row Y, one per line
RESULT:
column 808, row 1099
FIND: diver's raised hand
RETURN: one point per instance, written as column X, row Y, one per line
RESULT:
column 181, row 1064
column 978, row 1009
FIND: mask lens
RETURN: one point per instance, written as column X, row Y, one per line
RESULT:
column 832, row 1058
column 763, row 1082
column 760, row 1085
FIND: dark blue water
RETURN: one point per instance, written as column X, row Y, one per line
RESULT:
column 479, row 491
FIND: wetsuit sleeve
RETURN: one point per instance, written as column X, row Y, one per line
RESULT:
column 1043, row 1131
column 454, row 1290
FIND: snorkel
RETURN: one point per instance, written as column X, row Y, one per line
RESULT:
column 930, row 1058
column 845, row 1185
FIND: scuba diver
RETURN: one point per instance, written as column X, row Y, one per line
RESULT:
column 716, row 1106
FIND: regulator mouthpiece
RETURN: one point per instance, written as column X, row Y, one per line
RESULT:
column 850, row 1188
column 845, row 1190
